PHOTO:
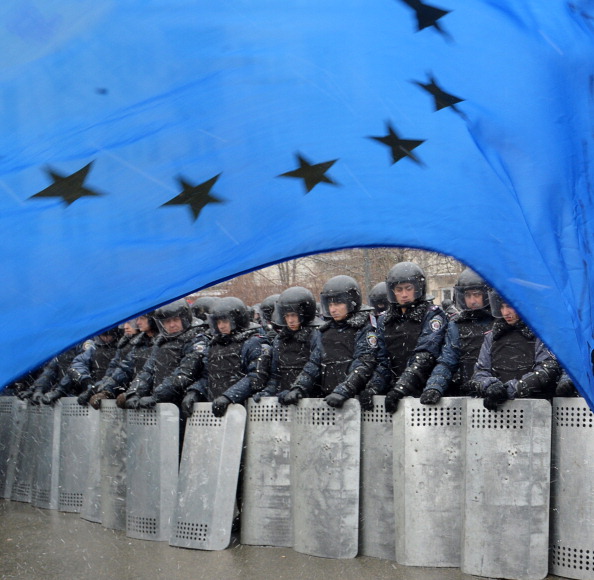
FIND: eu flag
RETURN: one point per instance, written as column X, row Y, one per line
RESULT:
column 150, row 148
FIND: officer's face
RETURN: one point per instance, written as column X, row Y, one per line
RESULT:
column 224, row 326
column 474, row 299
column 405, row 293
column 173, row 325
column 338, row 310
column 106, row 338
column 143, row 324
column 292, row 321
column 509, row 314
column 129, row 330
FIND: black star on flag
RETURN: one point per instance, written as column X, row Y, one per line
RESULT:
column 400, row 147
column 311, row 174
column 197, row 197
column 68, row 187
column 441, row 98
column 427, row 15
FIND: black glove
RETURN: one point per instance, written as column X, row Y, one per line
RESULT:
column 105, row 384
column 95, row 400
column 495, row 394
column 51, row 397
column 366, row 399
column 430, row 397
column 335, row 400
column 36, row 397
column 132, row 401
column 188, row 402
column 84, row 398
column 391, row 402
column 290, row 397
column 78, row 378
column 219, row 406
column 26, row 394
column 566, row 388
column 147, row 402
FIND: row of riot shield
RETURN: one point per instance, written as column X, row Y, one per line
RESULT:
column 451, row 484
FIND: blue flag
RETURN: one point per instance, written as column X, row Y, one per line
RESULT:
column 152, row 148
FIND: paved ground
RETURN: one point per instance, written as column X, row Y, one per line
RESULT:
column 36, row 543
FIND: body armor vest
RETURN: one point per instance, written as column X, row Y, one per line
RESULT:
column 169, row 354
column 512, row 355
column 401, row 337
column 143, row 346
column 101, row 359
column 472, row 336
column 338, row 343
column 294, row 351
column 224, row 366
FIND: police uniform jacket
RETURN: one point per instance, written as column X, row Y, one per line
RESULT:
column 409, row 344
column 172, row 366
column 291, row 352
column 236, row 366
column 463, row 341
column 128, row 362
column 343, row 360
column 513, row 355
column 91, row 364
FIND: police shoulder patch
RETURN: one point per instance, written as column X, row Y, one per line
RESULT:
column 87, row 344
column 199, row 347
column 435, row 324
column 372, row 339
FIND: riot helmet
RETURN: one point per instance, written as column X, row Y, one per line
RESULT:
column 147, row 324
column 202, row 306
column 267, row 307
column 406, row 273
column 297, row 300
column 341, row 289
column 497, row 301
column 378, row 297
column 174, row 318
column 231, row 309
column 108, row 336
column 471, row 291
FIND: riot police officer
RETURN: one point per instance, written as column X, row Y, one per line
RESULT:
column 513, row 362
column 295, row 315
column 378, row 298
column 174, row 362
column 345, row 358
column 410, row 336
column 87, row 367
column 464, row 338
column 236, row 363
column 53, row 374
column 129, row 360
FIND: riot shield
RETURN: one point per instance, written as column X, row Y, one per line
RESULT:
column 429, row 482
column 208, row 476
column 151, row 471
column 572, row 490
column 377, row 524
column 76, row 436
column 91, row 505
column 506, row 512
column 26, row 458
column 266, row 507
column 113, row 445
column 13, row 414
column 325, row 465
column 44, row 489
